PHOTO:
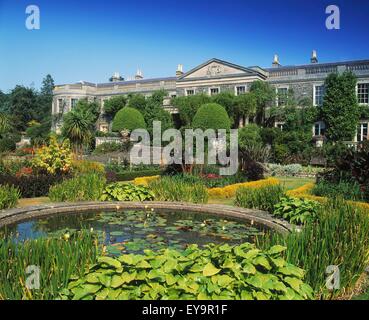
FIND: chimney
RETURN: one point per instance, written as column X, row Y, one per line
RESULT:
column 314, row 57
column 138, row 75
column 116, row 77
column 276, row 63
column 179, row 71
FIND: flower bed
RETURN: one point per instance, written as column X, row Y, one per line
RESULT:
column 230, row 191
column 144, row 181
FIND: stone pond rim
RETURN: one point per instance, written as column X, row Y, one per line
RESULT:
column 257, row 217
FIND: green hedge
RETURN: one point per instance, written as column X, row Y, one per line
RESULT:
column 131, row 175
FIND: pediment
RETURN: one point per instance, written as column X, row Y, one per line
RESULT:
column 216, row 68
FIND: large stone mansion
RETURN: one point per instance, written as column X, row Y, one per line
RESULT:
column 215, row 76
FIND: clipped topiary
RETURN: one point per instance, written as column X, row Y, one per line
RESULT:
column 128, row 119
column 211, row 116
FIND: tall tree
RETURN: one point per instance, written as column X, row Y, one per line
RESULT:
column 47, row 86
column 23, row 106
column 114, row 104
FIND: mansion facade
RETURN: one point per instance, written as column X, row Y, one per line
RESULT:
column 215, row 76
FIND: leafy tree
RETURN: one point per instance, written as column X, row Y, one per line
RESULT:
column 39, row 132
column 114, row 104
column 154, row 111
column 188, row 106
column 265, row 97
column 211, row 116
column 244, row 105
column 23, row 106
column 340, row 110
column 3, row 101
column 137, row 101
column 128, row 119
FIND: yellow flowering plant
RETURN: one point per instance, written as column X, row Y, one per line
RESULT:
column 54, row 158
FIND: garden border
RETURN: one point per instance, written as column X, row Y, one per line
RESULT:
column 256, row 217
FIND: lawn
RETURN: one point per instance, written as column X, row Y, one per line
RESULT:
column 290, row 183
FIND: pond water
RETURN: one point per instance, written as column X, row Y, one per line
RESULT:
column 131, row 231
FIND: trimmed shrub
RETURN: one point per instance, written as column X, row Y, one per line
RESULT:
column 211, row 116
column 264, row 198
column 128, row 119
column 214, row 273
column 80, row 188
column 32, row 186
column 174, row 189
column 121, row 191
column 7, row 144
column 297, row 211
column 9, row 196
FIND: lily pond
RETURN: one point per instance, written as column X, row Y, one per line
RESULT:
column 133, row 231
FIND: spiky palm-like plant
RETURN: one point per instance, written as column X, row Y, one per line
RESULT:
column 77, row 128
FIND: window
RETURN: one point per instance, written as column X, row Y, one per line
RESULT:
column 240, row 90
column 73, row 103
column 362, row 132
column 282, row 95
column 319, row 92
column 214, row 91
column 190, row 92
column 363, row 93
column 319, row 128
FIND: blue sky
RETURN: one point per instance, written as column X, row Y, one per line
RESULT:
column 89, row 39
